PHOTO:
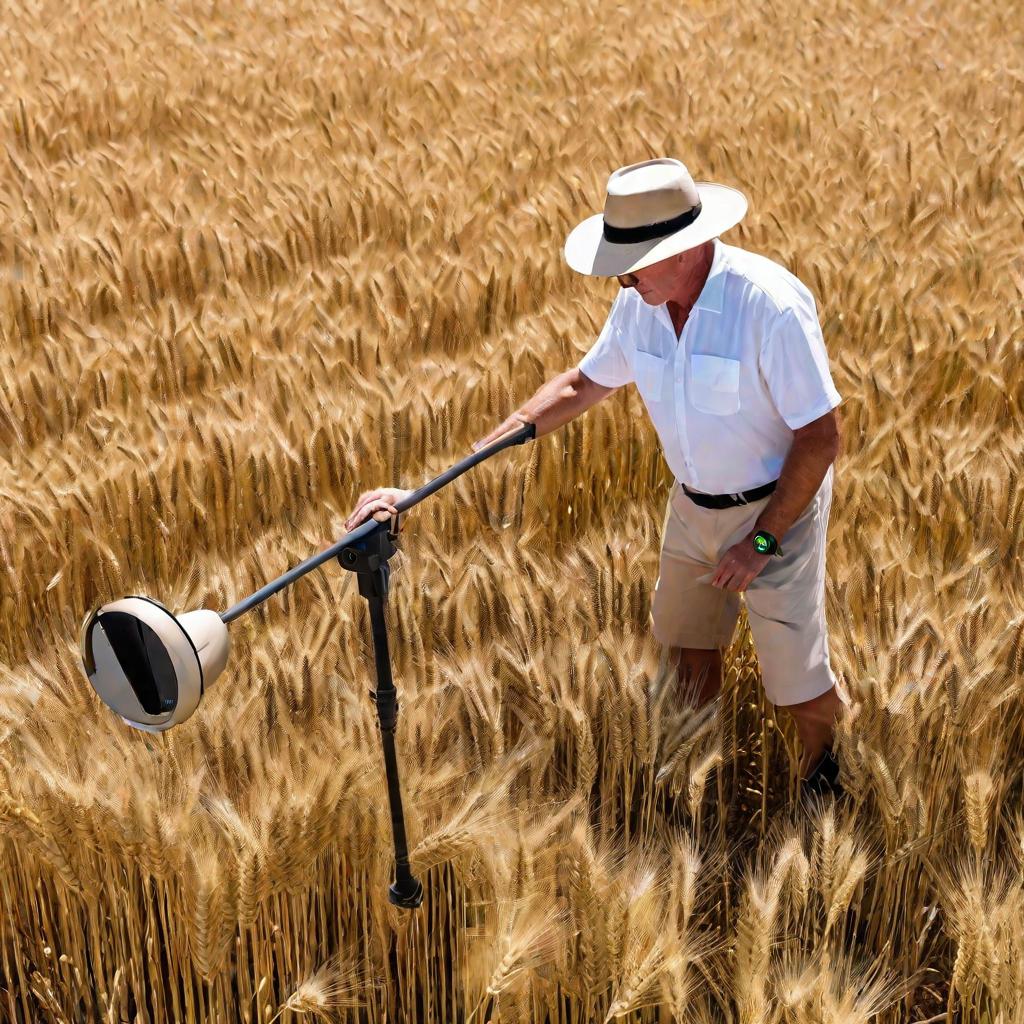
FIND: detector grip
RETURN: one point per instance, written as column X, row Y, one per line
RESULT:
column 526, row 433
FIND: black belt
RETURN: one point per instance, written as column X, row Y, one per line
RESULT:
column 729, row 500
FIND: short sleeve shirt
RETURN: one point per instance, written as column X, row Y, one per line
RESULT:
column 749, row 368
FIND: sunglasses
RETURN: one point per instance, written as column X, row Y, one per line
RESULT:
column 627, row 280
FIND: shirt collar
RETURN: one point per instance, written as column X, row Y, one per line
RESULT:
column 711, row 294
column 710, row 297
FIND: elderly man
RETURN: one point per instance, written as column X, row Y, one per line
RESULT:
column 725, row 349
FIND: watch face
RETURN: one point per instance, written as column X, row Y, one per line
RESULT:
column 761, row 543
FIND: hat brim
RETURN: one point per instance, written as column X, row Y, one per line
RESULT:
column 588, row 252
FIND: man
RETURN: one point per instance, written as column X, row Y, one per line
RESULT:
column 726, row 351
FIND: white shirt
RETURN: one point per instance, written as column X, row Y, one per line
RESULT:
column 749, row 368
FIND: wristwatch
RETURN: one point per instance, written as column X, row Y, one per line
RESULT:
column 766, row 544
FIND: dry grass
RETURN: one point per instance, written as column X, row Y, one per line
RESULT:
column 256, row 259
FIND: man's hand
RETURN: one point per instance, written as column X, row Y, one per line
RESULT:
column 379, row 503
column 739, row 565
column 514, row 422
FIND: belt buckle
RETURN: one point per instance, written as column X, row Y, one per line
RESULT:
column 739, row 499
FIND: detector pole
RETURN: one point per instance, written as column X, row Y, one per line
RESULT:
column 368, row 558
column 525, row 433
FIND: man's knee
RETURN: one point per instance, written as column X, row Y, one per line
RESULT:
column 695, row 656
column 699, row 669
column 824, row 708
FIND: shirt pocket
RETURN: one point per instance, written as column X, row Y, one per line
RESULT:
column 650, row 371
column 714, row 384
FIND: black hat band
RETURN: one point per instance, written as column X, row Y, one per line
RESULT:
column 645, row 232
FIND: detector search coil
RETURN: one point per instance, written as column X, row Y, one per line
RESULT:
column 150, row 666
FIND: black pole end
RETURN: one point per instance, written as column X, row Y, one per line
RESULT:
column 407, row 893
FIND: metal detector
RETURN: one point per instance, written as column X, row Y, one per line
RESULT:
column 152, row 667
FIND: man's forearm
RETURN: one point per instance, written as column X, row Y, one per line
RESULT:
column 805, row 467
column 559, row 400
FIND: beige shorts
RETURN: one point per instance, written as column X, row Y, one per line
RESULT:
column 785, row 601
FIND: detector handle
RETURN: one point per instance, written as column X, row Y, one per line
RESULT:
column 526, row 433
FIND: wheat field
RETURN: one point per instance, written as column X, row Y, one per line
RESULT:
column 257, row 259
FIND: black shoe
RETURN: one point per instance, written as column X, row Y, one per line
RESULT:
column 824, row 778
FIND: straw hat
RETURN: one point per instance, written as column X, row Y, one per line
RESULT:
column 652, row 210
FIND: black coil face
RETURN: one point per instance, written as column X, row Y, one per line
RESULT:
column 144, row 660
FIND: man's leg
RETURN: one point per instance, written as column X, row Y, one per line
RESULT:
column 786, row 609
column 685, row 608
column 815, row 725
column 699, row 673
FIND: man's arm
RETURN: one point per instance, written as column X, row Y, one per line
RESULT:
column 815, row 447
column 556, row 402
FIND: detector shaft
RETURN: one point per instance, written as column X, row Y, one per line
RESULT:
column 526, row 433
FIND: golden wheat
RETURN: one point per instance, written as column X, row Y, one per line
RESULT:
column 254, row 262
